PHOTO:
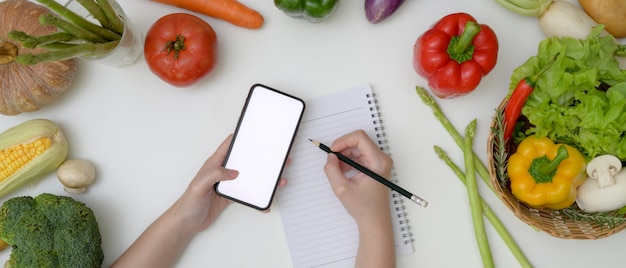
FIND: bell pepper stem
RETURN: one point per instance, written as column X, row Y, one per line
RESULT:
column 466, row 38
column 548, row 168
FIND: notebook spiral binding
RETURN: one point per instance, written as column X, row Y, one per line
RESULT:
column 397, row 200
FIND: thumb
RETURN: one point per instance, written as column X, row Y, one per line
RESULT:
column 214, row 176
column 228, row 174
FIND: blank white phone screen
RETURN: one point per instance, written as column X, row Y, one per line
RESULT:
column 262, row 141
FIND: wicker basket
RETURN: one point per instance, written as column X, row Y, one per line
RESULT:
column 554, row 222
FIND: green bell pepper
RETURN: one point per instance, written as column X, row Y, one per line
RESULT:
column 311, row 10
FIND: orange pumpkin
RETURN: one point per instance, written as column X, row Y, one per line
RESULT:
column 27, row 88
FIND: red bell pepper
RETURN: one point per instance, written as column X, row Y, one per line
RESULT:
column 455, row 54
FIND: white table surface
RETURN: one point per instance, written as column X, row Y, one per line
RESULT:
column 147, row 139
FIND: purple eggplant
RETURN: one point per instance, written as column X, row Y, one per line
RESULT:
column 378, row 10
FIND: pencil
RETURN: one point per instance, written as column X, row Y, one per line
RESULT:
column 372, row 174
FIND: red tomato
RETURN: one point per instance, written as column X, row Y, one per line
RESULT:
column 180, row 49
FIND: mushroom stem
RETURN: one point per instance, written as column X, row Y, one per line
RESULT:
column 605, row 177
column 603, row 169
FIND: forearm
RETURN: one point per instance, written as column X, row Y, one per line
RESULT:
column 160, row 245
column 376, row 243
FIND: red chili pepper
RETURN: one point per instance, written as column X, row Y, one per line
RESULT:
column 522, row 91
column 455, row 54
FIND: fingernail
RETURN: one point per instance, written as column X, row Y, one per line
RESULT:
column 233, row 173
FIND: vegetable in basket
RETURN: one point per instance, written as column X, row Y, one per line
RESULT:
column 311, row 10
column 605, row 188
column 455, row 54
column 516, row 101
column 544, row 174
column 581, row 99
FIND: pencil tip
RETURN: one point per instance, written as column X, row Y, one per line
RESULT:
column 316, row 143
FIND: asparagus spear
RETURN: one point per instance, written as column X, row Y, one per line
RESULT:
column 489, row 214
column 81, row 33
column 30, row 41
column 474, row 197
column 92, row 7
column 79, row 21
column 61, row 46
column 428, row 100
column 117, row 24
column 87, row 49
column 78, row 37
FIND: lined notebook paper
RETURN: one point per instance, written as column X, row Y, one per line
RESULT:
column 319, row 231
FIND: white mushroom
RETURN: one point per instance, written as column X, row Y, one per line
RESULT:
column 605, row 188
column 76, row 175
column 603, row 169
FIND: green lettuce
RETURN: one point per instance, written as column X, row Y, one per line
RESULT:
column 581, row 99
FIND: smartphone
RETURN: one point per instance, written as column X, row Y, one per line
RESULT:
column 262, row 139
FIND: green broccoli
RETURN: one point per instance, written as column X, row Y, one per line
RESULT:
column 50, row 231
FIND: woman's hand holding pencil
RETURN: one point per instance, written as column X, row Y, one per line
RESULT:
column 358, row 147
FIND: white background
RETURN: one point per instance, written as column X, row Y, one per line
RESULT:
column 147, row 139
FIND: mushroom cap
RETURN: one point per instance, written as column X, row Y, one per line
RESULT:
column 607, row 162
column 76, row 175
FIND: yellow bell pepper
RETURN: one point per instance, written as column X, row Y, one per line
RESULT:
column 544, row 174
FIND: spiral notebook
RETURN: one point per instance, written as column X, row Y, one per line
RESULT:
column 318, row 230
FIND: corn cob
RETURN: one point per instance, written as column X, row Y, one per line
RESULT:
column 29, row 151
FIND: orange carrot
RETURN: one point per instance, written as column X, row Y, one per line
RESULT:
column 231, row 11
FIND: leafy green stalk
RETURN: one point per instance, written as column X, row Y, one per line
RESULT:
column 30, row 41
column 79, row 21
column 428, row 100
column 474, row 196
column 115, row 22
column 84, row 50
column 531, row 8
column 49, row 19
column 489, row 214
